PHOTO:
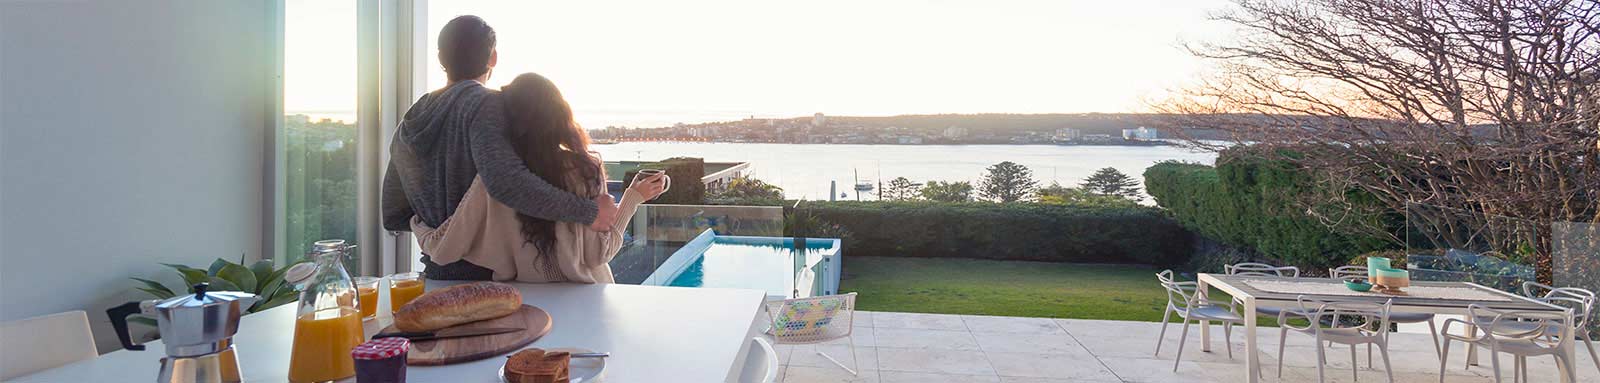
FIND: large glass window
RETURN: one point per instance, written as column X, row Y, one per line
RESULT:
column 317, row 145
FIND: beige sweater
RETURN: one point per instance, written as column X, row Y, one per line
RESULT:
column 486, row 233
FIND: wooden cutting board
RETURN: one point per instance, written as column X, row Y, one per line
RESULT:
column 536, row 321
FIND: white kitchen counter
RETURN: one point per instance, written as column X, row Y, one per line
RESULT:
column 654, row 334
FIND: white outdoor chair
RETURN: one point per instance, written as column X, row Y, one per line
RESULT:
column 1373, row 329
column 1262, row 270
column 1581, row 300
column 1184, row 301
column 1519, row 333
column 1345, row 272
column 67, row 335
column 815, row 320
column 761, row 365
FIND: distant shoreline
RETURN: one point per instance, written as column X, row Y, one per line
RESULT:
column 1136, row 144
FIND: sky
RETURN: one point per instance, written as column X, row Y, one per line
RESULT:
column 653, row 63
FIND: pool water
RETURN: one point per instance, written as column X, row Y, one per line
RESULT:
column 773, row 266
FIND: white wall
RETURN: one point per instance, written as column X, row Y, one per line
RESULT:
column 131, row 132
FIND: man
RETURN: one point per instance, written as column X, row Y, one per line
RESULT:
column 454, row 134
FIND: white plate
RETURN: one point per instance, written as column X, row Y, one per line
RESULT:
column 580, row 370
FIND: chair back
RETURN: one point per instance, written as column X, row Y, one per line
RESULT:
column 761, row 364
column 1510, row 325
column 1369, row 319
column 49, row 341
column 1261, row 269
column 1347, row 272
column 1581, row 301
column 1180, row 295
column 813, row 319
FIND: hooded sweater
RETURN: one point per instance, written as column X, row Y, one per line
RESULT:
column 448, row 138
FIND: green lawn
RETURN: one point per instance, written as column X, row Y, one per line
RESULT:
column 1007, row 288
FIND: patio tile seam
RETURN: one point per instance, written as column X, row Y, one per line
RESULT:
column 1086, row 349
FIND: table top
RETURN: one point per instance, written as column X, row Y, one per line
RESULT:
column 1234, row 284
column 654, row 334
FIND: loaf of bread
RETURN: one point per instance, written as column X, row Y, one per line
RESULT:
column 458, row 304
column 538, row 366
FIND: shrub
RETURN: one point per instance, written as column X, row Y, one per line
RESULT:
column 1034, row 232
column 1254, row 204
column 686, row 172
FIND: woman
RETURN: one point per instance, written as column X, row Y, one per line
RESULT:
column 488, row 233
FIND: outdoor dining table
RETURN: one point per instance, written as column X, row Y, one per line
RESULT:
column 654, row 334
column 1450, row 298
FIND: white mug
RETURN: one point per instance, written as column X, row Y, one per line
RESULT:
column 647, row 173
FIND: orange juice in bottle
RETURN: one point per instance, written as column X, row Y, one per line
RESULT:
column 322, row 344
column 328, row 321
column 404, row 287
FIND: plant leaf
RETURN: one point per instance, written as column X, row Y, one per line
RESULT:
column 216, row 266
column 219, row 284
column 273, row 302
column 191, row 275
column 144, row 320
column 156, row 288
column 240, row 276
column 263, row 270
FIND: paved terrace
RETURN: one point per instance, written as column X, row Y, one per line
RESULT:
column 932, row 348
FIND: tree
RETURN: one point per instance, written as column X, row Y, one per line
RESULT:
column 749, row 191
column 960, row 191
column 1062, row 195
column 900, row 189
column 1481, row 106
column 1008, row 182
column 1109, row 181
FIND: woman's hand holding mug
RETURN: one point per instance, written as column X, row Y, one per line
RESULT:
column 650, row 183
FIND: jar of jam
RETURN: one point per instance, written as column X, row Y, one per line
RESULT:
column 381, row 360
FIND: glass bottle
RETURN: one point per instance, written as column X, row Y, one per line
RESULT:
column 328, row 322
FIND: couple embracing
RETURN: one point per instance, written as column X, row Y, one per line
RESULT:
column 500, row 185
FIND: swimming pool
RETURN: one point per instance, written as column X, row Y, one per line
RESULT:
column 773, row 264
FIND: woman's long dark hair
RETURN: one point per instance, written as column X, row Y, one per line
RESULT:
column 552, row 144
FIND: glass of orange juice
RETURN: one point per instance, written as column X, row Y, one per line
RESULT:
column 367, row 291
column 404, row 287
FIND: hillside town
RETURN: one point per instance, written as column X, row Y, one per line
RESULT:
column 823, row 129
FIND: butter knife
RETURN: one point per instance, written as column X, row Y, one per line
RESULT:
column 448, row 333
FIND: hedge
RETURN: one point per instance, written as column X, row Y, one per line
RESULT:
column 1251, row 203
column 1016, row 231
column 686, row 173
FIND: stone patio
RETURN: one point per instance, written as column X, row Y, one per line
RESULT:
column 931, row 348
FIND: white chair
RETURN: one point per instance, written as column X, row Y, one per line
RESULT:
column 761, row 365
column 815, row 320
column 66, row 335
column 1580, row 300
column 1346, row 272
column 1190, row 306
column 1519, row 333
column 1262, row 270
column 1350, row 323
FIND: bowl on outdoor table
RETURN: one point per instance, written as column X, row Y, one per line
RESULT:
column 1357, row 284
column 1390, row 281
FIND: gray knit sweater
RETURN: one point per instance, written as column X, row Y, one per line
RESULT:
column 450, row 136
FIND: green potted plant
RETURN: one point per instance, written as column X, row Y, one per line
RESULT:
column 260, row 278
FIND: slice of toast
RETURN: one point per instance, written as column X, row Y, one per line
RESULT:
column 538, row 366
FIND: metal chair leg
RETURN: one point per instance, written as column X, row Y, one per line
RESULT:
column 1322, row 361
column 1354, row 366
column 1283, row 334
column 1163, row 337
column 1227, row 338
column 1494, row 360
column 1184, row 338
column 1389, row 368
column 1444, row 357
column 1587, row 342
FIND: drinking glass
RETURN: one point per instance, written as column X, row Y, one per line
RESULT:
column 367, row 291
column 404, row 287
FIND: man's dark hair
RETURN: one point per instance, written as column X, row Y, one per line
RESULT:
column 465, row 44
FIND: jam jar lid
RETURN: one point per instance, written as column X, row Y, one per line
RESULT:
column 381, row 348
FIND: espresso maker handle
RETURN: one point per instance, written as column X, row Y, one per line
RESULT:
column 119, row 322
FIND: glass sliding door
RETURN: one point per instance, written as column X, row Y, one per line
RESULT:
column 317, row 144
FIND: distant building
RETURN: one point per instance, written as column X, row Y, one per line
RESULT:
column 909, row 140
column 1068, row 134
column 819, row 120
column 955, row 132
column 1142, row 133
